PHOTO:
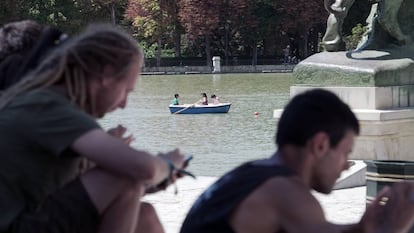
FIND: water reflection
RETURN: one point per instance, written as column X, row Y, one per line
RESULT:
column 218, row 142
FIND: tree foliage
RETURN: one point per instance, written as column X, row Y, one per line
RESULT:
column 154, row 22
column 146, row 18
column 198, row 27
column 200, row 17
column 69, row 15
column 355, row 38
column 302, row 17
column 253, row 21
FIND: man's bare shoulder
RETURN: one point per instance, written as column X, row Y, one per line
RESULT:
column 282, row 191
column 275, row 205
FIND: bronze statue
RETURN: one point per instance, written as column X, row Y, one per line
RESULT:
column 338, row 10
column 385, row 28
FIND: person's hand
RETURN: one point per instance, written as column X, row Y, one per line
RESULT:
column 173, row 158
column 392, row 211
column 119, row 132
column 182, row 172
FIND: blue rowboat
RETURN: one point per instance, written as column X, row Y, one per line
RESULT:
column 200, row 109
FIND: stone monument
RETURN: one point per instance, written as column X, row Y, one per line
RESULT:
column 376, row 79
column 216, row 64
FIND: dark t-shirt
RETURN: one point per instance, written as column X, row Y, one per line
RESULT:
column 9, row 68
column 211, row 212
column 36, row 130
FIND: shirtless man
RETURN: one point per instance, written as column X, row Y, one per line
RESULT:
column 314, row 136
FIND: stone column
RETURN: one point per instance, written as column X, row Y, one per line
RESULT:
column 216, row 64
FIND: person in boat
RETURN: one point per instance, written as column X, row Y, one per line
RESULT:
column 175, row 100
column 49, row 123
column 314, row 137
column 216, row 99
column 203, row 100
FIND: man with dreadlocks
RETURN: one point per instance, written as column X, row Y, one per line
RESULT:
column 48, row 124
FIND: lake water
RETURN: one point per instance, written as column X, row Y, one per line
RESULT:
column 218, row 142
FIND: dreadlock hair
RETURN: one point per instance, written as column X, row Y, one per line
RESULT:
column 79, row 59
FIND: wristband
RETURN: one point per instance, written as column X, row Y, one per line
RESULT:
column 171, row 168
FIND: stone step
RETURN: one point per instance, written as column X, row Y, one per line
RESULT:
column 353, row 177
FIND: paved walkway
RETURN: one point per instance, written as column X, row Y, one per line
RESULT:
column 341, row 206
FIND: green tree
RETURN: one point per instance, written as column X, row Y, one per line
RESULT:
column 302, row 17
column 11, row 10
column 155, row 21
column 353, row 40
column 110, row 5
column 201, row 19
column 102, row 10
column 68, row 15
column 254, row 20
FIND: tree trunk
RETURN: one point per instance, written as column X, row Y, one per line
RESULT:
column 305, row 48
column 111, row 7
column 177, row 39
column 254, row 57
column 208, row 52
column 226, row 45
column 159, row 51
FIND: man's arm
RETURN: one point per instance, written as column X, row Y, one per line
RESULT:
column 113, row 155
column 284, row 204
column 281, row 204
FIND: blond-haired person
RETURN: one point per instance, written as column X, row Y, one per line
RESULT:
column 48, row 124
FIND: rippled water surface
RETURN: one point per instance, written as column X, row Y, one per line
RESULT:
column 219, row 142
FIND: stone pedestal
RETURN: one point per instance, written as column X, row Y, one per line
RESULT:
column 378, row 86
column 385, row 134
column 216, row 64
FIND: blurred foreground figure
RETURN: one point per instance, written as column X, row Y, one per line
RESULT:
column 314, row 137
column 23, row 44
column 48, row 125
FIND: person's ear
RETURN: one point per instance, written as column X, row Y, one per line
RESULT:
column 320, row 144
column 107, row 78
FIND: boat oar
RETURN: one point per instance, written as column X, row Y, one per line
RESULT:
column 181, row 110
